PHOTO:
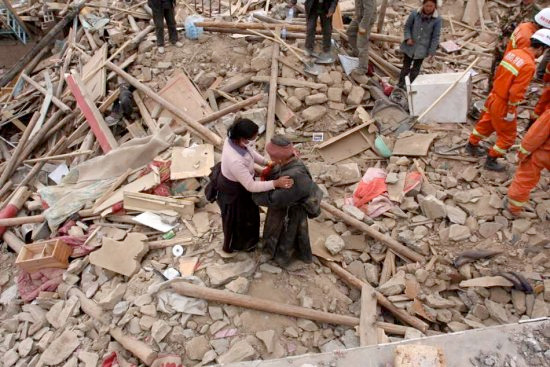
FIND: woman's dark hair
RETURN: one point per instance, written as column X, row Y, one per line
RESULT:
column 242, row 129
column 431, row 1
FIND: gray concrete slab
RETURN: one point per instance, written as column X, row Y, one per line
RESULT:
column 514, row 345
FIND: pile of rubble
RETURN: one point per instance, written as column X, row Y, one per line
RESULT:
column 434, row 251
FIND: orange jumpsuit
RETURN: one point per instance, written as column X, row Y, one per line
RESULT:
column 511, row 81
column 521, row 37
column 544, row 99
column 534, row 153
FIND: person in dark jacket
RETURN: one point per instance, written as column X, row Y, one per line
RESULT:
column 322, row 9
column 286, row 228
column 164, row 9
column 422, row 31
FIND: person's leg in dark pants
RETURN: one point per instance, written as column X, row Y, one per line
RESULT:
column 415, row 70
column 311, row 22
column 169, row 15
column 405, row 70
column 326, row 27
column 158, row 19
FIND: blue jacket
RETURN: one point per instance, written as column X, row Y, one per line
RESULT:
column 424, row 31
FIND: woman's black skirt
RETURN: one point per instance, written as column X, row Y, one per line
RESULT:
column 240, row 216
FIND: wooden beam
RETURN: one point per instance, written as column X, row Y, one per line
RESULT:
column 56, row 101
column 355, row 282
column 194, row 125
column 254, row 303
column 382, row 16
column 151, row 124
column 12, row 163
column 44, row 41
column 216, row 115
column 398, row 248
column 368, row 335
column 94, row 118
column 270, row 122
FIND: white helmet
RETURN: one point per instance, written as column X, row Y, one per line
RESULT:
column 543, row 18
column 542, row 35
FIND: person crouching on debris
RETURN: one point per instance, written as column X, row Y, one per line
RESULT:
column 286, row 229
column 322, row 9
column 534, row 156
column 240, row 215
column 164, row 9
column 422, row 31
column 511, row 81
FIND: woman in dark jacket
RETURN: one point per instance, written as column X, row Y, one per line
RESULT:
column 422, row 31
column 286, row 229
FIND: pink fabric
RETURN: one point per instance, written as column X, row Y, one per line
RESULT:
column 412, row 180
column 30, row 285
column 240, row 168
column 371, row 185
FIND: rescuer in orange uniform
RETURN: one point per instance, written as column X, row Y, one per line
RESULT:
column 534, row 156
column 511, row 81
column 521, row 36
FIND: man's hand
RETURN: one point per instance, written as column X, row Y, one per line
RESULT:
column 410, row 42
column 362, row 30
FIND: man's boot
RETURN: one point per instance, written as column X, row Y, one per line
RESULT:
column 491, row 164
column 475, row 150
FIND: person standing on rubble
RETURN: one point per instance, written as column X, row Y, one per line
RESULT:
column 164, row 9
column 534, row 156
column 516, row 15
column 512, row 78
column 235, row 183
column 286, row 233
column 422, row 31
column 359, row 34
column 322, row 9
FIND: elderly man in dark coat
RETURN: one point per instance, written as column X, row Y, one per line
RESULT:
column 286, row 229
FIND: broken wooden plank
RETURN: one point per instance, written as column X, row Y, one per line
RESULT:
column 158, row 204
column 145, row 115
column 241, row 300
column 285, row 114
column 487, row 282
column 345, row 145
column 121, row 257
column 93, row 116
column 414, row 145
column 56, row 101
column 193, row 124
column 180, row 91
column 368, row 335
column 95, row 78
column 272, row 99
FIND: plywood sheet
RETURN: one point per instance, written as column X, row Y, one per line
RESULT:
column 346, row 145
column 94, row 79
column 415, row 145
column 318, row 233
column 181, row 92
column 192, row 162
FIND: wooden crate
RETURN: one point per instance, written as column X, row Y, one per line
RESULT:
column 42, row 255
